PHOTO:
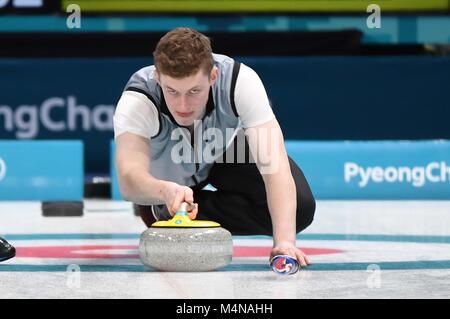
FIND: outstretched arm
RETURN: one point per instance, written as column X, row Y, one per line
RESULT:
column 269, row 153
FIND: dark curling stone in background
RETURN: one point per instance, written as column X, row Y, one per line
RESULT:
column 62, row 208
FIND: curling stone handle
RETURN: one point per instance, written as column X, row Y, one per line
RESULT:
column 183, row 210
column 183, row 207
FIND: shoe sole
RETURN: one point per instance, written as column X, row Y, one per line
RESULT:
column 7, row 258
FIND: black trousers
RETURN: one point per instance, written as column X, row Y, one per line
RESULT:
column 240, row 202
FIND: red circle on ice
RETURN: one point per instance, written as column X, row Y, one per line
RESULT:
column 131, row 251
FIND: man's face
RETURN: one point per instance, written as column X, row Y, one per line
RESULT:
column 186, row 98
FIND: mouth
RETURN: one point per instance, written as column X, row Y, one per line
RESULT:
column 180, row 114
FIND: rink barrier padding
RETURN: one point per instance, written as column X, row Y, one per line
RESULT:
column 366, row 170
column 375, row 169
column 41, row 170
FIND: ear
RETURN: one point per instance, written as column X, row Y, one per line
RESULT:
column 157, row 76
column 213, row 75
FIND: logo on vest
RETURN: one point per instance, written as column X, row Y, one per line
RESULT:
column 2, row 169
column 213, row 145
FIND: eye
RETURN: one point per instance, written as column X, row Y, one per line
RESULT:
column 172, row 92
column 195, row 91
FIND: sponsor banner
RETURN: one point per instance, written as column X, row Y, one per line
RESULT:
column 375, row 169
column 367, row 169
column 41, row 170
column 69, row 99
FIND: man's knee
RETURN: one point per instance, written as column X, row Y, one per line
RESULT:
column 306, row 208
column 306, row 205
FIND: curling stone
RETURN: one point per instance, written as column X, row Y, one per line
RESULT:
column 62, row 208
column 186, row 245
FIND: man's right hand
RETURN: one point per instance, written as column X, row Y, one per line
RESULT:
column 175, row 194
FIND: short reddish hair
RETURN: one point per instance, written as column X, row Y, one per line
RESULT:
column 182, row 52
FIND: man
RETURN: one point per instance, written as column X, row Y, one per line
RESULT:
column 193, row 106
column 6, row 250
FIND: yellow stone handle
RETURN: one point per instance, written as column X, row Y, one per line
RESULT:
column 181, row 219
column 183, row 210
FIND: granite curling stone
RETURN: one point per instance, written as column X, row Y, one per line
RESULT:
column 185, row 245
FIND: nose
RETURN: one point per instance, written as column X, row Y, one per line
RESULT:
column 183, row 104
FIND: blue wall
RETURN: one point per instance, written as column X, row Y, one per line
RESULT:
column 314, row 98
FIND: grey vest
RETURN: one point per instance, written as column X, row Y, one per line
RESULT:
column 192, row 168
